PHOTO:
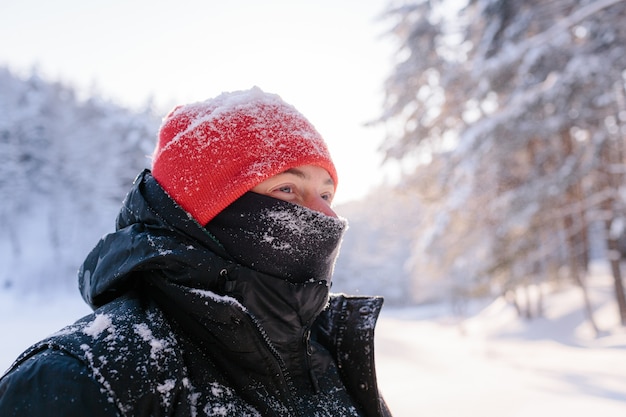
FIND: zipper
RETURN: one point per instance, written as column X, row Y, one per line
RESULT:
column 284, row 373
column 308, row 353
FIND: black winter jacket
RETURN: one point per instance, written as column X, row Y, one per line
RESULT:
column 166, row 339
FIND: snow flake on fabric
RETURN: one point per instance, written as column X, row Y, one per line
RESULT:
column 279, row 238
column 152, row 241
column 100, row 323
column 302, row 233
column 166, row 389
column 225, row 402
column 95, row 365
column 301, row 222
column 210, row 295
column 368, row 320
column 158, row 347
column 247, row 103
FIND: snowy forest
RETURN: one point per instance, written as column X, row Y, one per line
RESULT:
column 509, row 118
column 65, row 166
column 514, row 116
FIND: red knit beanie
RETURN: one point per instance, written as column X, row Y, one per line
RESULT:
column 211, row 153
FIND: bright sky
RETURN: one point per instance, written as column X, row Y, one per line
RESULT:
column 328, row 58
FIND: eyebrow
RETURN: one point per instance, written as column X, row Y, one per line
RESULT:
column 301, row 174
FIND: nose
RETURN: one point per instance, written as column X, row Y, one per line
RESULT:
column 320, row 205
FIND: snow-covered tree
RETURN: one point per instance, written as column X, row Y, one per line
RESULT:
column 518, row 106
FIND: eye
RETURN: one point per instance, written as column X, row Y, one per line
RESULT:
column 285, row 189
column 327, row 197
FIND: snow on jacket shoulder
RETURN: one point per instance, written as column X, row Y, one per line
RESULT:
column 128, row 352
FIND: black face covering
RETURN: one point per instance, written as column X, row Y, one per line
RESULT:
column 279, row 238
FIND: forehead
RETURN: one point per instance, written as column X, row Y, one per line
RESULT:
column 310, row 172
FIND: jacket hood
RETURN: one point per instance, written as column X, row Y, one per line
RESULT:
column 152, row 233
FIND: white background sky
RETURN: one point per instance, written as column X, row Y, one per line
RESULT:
column 329, row 58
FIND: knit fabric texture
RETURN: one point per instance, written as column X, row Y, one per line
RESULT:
column 210, row 153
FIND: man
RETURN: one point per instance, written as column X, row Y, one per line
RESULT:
column 211, row 298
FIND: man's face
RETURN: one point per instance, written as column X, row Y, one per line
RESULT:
column 307, row 185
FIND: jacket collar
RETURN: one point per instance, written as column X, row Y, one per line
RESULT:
column 152, row 234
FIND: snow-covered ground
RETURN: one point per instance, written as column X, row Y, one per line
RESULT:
column 431, row 364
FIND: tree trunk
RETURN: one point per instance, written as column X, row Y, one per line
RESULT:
column 581, row 283
column 616, row 180
column 576, row 265
column 614, row 261
column 576, row 227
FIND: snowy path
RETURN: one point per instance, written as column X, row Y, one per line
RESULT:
column 498, row 367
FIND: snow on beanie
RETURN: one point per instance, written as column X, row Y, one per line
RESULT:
column 210, row 153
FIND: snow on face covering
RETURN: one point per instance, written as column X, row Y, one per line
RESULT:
column 279, row 238
column 212, row 152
